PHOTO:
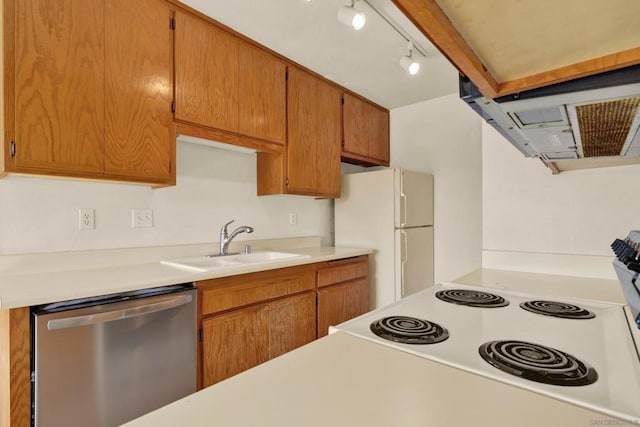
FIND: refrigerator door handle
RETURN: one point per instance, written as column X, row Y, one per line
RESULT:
column 403, row 209
column 404, row 254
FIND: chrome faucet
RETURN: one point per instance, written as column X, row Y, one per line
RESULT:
column 226, row 238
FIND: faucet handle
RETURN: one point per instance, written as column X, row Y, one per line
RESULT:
column 223, row 230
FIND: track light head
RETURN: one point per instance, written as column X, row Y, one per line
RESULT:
column 349, row 15
column 409, row 64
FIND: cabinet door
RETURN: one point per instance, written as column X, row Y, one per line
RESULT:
column 262, row 94
column 313, row 145
column 244, row 338
column 339, row 303
column 59, row 86
column 356, row 134
column 139, row 60
column 206, row 74
column 233, row 342
column 292, row 323
column 379, row 135
column 365, row 131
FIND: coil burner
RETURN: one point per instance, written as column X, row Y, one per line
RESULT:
column 538, row 363
column 409, row 330
column 557, row 309
column 472, row 298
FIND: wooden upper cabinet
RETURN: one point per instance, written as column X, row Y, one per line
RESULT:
column 262, row 94
column 92, row 89
column 313, row 146
column 365, row 132
column 140, row 136
column 206, row 73
column 227, row 84
column 59, row 87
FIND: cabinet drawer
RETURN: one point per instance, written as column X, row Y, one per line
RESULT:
column 343, row 272
column 218, row 295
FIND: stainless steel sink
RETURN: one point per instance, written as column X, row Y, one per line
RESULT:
column 207, row 263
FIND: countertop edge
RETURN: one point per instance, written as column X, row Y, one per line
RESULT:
column 23, row 290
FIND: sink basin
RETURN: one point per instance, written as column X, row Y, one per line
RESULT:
column 206, row 263
column 256, row 257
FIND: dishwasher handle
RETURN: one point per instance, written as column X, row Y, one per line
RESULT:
column 124, row 313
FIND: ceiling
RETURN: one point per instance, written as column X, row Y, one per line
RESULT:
column 364, row 61
column 510, row 47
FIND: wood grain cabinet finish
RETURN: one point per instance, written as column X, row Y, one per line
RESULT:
column 140, row 135
column 343, row 292
column 59, row 86
column 88, row 89
column 241, row 339
column 313, row 146
column 227, row 84
column 311, row 162
column 365, row 132
column 15, row 371
column 206, row 73
column 250, row 318
column 262, row 89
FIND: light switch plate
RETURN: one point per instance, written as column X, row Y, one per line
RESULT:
column 141, row 218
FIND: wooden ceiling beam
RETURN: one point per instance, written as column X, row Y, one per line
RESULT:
column 581, row 69
column 427, row 16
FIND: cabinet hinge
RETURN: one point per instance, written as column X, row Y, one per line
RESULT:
column 286, row 181
column 172, row 23
column 286, row 75
column 169, row 167
column 173, row 106
column 12, row 148
column 316, row 299
column 200, row 334
column 342, row 100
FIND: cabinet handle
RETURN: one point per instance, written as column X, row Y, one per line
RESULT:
column 12, row 148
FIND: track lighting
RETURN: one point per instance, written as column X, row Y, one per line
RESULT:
column 349, row 15
column 409, row 64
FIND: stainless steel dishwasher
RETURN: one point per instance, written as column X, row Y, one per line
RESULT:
column 107, row 360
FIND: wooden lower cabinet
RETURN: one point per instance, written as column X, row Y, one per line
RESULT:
column 15, row 371
column 343, row 291
column 241, row 339
column 339, row 303
column 250, row 318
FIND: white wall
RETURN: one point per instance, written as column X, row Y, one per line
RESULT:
column 213, row 186
column 443, row 137
column 563, row 224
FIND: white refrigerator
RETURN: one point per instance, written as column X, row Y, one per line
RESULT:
column 391, row 212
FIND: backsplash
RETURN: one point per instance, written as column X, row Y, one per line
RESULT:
column 213, row 187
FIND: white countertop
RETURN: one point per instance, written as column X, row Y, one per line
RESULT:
column 341, row 380
column 28, row 280
column 546, row 284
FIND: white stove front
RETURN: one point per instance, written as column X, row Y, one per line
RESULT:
column 604, row 343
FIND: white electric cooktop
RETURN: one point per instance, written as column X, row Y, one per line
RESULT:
column 593, row 354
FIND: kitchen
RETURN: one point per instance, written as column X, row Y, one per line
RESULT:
column 493, row 208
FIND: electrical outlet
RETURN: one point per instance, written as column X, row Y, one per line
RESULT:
column 293, row 219
column 141, row 218
column 87, row 219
